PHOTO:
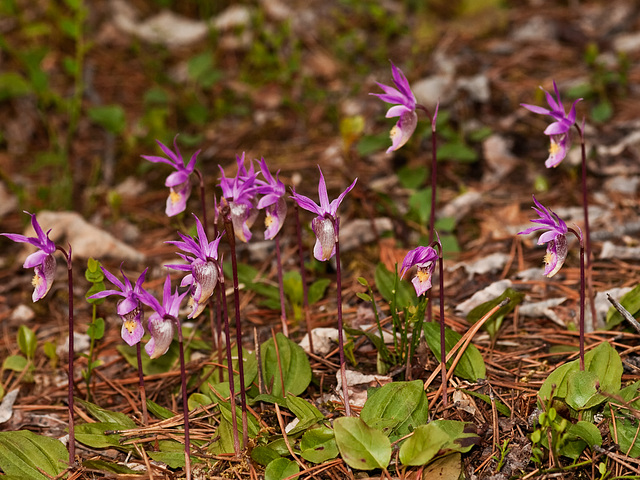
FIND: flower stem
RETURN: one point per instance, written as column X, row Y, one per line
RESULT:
column 72, row 435
column 582, row 294
column 303, row 277
column 231, row 238
column 343, row 366
column 283, row 311
column 203, row 204
column 185, row 403
column 232, row 387
column 443, row 346
column 143, row 392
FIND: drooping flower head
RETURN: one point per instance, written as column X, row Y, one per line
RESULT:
column 324, row 224
column 424, row 258
column 273, row 201
column 555, row 237
column 42, row 261
column 240, row 192
column 129, row 308
column 178, row 182
column 161, row 324
column 559, row 130
column 202, row 265
column 404, row 106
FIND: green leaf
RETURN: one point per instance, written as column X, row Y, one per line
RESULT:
column 386, row 281
column 96, row 329
column 361, row 447
column 603, row 361
column 122, row 421
column 109, row 467
column 306, row 413
column 471, row 365
column 264, row 455
column 585, row 431
column 93, row 435
column 602, row 112
column 628, row 436
column 249, row 363
column 457, row 151
column 397, row 408
column 420, row 205
column 280, row 468
column 492, row 326
column 159, row 411
column 370, row 144
column 150, row 366
column 172, row 459
column 582, row 390
column 95, row 288
column 318, row 445
column 317, row 290
column 13, row 85
column 630, row 301
column 440, row 437
column 17, row 363
column 27, row 341
column 110, row 117
column 198, row 399
column 294, row 363
column 23, row 454
column 412, row 177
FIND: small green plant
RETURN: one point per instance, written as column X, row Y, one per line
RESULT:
column 23, row 364
column 93, row 274
column 504, row 451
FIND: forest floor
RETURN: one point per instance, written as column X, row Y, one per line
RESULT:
column 291, row 83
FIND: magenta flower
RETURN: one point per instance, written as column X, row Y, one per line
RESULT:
column 129, row 308
column 558, row 131
column 404, row 107
column 273, row 201
column 424, row 258
column 202, row 266
column 324, row 225
column 240, row 193
column 178, row 182
column 42, row 261
column 161, row 322
column 555, row 237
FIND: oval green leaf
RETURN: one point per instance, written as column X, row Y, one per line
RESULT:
column 361, row 447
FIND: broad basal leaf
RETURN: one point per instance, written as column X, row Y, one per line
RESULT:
column 361, row 447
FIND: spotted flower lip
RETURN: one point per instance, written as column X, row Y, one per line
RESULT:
column 178, row 182
column 42, row 261
column 424, row 258
column 559, row 130
column 273, row 201
column 324, row 224
column 404, row 106
column 240, row 192
column 128, row 308
column 555, row 237
column 202, row 266
column 161, row 322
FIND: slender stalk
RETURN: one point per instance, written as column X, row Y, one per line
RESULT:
column 343, row 366
column 231, row 238
column 587, row 234
column 232, row 387
column 582, row 294
column 185, row 403
column 303, row 277
column 283, row 311
column 443, row 346
column 72, row 434
column 143, row 392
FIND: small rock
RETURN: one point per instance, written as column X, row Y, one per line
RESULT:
column 85, row 239
column 359, row 232
column 610, row 250
column 491, row 263
column 81, row 344
column 537, row 29
column 22, row 314
column 434, row 89
column 6, row 407
column 489, row 293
